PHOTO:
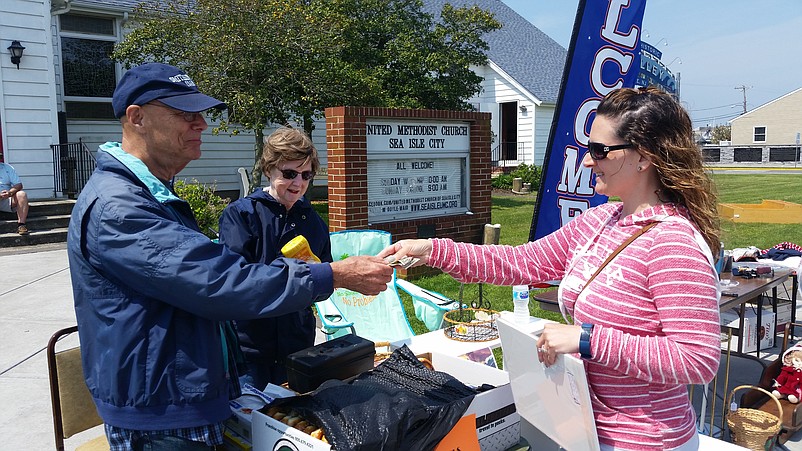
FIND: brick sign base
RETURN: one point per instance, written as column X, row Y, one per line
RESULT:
column 346, row 144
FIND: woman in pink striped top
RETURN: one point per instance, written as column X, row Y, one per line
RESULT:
column 648, row 324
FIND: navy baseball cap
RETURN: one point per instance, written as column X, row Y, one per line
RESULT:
column 163, row 82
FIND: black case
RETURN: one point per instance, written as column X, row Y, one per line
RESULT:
column 340, row 358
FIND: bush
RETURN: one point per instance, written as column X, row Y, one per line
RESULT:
column 502, row 181
column 205, row 204
column 529, row 174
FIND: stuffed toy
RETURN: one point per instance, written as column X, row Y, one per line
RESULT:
column 789, row 382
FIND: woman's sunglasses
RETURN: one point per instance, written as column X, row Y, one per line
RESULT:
column 290, row 174
column 599, row 151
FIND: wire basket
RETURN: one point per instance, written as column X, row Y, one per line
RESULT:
column 471, row 324
column 753, row 428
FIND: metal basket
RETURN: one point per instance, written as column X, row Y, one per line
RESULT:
column 462, row 325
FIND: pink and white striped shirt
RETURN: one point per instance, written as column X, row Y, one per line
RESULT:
column 654, row 307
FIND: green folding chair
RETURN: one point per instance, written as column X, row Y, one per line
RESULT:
column 376, row 318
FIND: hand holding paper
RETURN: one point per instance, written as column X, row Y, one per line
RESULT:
column 407, row 253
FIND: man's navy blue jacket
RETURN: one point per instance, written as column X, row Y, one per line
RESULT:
column 150, row 292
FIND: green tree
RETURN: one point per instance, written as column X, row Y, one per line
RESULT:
column 284, row 61
column 720, row 133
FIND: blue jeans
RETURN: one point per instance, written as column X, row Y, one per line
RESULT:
column 168, row 443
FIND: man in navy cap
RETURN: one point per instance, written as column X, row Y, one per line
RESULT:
column 152, row 293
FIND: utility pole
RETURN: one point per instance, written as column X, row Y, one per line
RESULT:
column 743, row 88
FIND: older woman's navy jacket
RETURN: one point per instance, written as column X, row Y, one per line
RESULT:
column 257, row 227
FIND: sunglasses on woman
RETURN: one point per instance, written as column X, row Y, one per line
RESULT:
column 290, row 174
column 599, row 151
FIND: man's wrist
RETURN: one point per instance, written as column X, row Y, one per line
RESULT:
column 584, row 341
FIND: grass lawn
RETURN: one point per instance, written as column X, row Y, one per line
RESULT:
column 514, row 213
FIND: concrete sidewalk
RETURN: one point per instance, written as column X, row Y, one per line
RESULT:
column 36, row 301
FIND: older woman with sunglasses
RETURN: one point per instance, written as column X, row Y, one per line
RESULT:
column 257, row 226
column 647, row 324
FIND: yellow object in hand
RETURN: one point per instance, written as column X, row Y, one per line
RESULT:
column 299, row 248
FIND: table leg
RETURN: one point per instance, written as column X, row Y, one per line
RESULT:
column 759, row 321
column 794, row 289
column 741, row 337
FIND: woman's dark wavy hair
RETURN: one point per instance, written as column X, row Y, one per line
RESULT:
column 661, row 130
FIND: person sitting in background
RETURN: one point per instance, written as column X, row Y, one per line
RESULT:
column 648, row 324
column 256, row 227
column 12, row 197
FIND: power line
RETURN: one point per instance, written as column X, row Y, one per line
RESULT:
column 712, row 118
column 716, row 107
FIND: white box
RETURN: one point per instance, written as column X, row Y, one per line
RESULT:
column 750, row 333
column 497, row 421
column 251, row 400
column 783, row 315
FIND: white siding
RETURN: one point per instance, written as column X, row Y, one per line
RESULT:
column 532, row 133
column 27, row 94
column 545, row 115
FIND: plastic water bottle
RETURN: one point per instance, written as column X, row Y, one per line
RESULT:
column 520, row 300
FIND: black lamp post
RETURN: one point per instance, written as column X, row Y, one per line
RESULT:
column 16, row 50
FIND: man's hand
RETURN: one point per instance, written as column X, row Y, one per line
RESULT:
column 365, row 274
column 421, row 249
column 5, row 194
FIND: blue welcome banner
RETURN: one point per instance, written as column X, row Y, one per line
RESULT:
column 604, row 55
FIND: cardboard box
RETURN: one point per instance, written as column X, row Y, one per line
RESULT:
column 783, row 315
column 497, row 423
column 751, row 331
column 251, row 400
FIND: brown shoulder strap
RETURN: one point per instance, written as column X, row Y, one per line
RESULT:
column 618, row 250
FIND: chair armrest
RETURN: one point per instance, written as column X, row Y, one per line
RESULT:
column 430, row 306
column 331, row 318
column 434, row 298
column 753, row 397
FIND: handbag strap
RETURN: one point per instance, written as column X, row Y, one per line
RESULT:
column 616, row 252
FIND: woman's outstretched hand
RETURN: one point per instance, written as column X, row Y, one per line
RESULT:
column 420, row 249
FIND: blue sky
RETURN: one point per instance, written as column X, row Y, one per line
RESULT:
column 715, row 46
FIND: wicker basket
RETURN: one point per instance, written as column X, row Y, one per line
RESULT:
column 752, row 428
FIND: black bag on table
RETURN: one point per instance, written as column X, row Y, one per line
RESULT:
column 400, row 404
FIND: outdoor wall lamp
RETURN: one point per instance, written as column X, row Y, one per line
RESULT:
column 522, row 108
column 16, row 50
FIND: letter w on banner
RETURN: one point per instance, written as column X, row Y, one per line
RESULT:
column 604, row 55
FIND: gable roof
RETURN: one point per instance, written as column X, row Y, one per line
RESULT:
column 794, row 92
column 524, row 52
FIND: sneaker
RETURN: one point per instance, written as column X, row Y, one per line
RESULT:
column 22, row 229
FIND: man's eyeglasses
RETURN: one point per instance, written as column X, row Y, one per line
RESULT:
column 290, row 174
column 599, row 151
column 186, row 115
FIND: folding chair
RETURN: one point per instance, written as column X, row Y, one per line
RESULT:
column 430, row 306
column 376, row 318
column 73, row 408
